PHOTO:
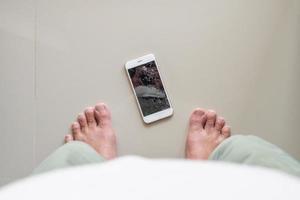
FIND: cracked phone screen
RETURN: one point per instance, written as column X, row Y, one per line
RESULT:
column 149, row 88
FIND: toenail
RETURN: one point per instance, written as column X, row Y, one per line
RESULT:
column 221, row 120
column 75, row 125
column 89, row 109
column 100, row 106
column 211, row 112
column 199, row 110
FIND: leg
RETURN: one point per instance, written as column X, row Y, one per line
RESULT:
column 92, row 140
column 209, row 138
column 71, row 154
column 252, row 150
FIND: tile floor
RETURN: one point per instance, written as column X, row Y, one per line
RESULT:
column 56, row 57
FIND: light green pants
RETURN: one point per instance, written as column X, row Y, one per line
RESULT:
column 249, row 150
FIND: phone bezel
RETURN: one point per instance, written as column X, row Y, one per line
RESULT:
column 158, row 115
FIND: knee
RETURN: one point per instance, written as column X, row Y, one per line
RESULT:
column 246, row 144
column 244, row 139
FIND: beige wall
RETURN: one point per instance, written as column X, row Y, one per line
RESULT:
column 239, row 57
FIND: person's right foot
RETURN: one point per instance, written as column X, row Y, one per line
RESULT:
column 94, row 127
column 206, row 132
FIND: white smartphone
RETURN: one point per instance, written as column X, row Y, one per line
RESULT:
column 148, row 88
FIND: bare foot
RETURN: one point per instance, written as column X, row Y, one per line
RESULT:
column 94, row 127
column 206, row 132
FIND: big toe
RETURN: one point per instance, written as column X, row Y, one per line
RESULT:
column 197, row 119
column 103, row 115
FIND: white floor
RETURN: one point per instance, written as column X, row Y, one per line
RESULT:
column 239, row 57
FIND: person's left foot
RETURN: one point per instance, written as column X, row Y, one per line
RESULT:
column 94, row 127
column 206, row 132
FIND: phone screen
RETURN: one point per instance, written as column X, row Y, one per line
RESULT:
column 149, row 88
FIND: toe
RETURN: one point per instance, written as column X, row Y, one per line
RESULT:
column 197, row 119
column 76, row 131
column 102, row 115
column 68, row 138
column 226, row 131
column 211, row 119
column 75, row 127
column 220, row 123
column 90, row 117
column 82, row 121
